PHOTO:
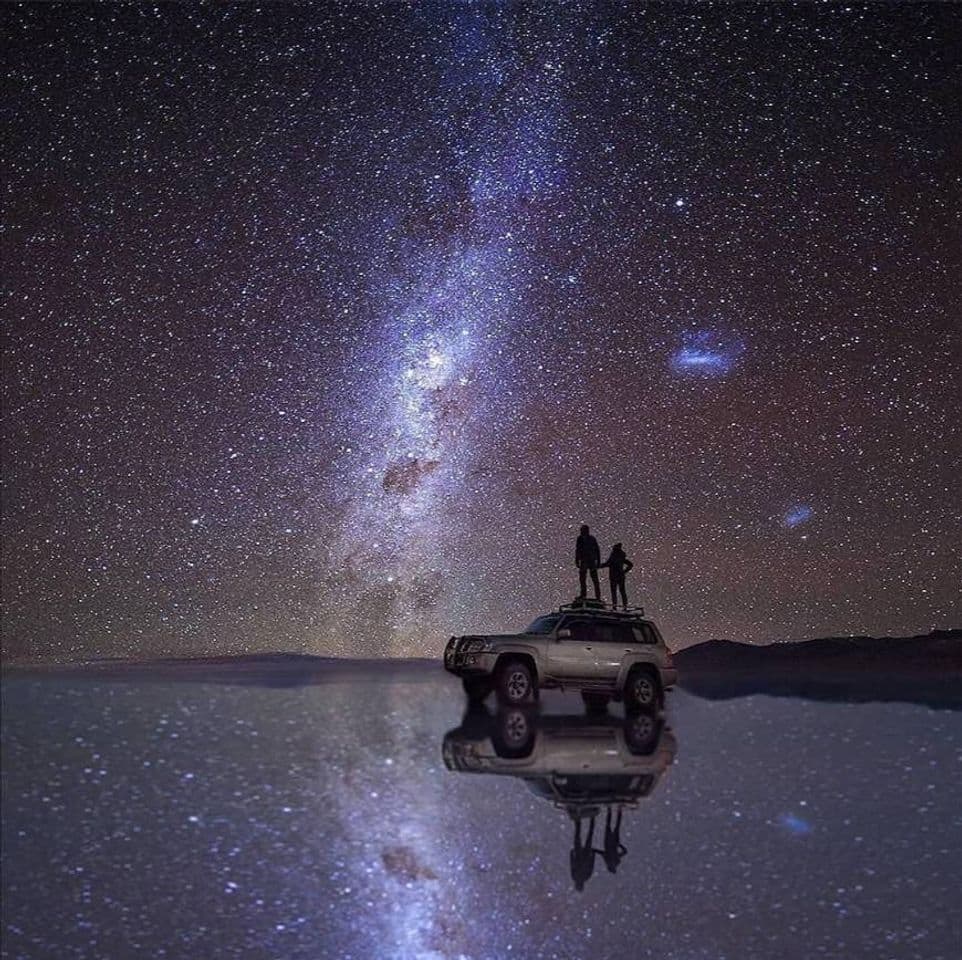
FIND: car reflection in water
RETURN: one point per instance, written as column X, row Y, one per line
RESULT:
column 589, row 766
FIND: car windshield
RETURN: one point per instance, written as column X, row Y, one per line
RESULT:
column 544, row 624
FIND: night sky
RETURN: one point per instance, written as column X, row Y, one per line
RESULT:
column 326, row 326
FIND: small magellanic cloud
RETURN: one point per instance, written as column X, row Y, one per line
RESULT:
column 797, row 515
column 795, row 824
column 706, row 354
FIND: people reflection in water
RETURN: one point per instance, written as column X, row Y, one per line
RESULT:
column 614, row 848
column 588, row 765
column 587, row 560
column 582, row 856
column 618, row 565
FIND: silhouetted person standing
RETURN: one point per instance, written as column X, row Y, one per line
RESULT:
column 582, row 855
column 587, row 560
column 618, row 565
column 614, row 848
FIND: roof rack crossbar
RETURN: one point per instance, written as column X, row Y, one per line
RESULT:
column 599, row 606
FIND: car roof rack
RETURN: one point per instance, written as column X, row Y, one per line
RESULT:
column 599, row 606
column 591, row 808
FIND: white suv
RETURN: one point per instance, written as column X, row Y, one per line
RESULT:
column 606, row 654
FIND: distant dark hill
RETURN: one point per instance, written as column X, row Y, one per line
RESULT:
column 924, row 669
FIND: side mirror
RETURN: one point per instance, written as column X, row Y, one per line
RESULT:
column 564, row 634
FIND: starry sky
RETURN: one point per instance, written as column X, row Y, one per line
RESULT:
column 327, row 326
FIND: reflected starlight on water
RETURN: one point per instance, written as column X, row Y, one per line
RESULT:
column 224, row 821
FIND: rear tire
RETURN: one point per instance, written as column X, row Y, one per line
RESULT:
column 642, row 689
column 595, row 703
column 642, row 729
column 476, row 688
column 516, row 683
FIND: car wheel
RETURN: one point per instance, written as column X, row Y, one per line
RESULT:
column 642, row 690
column 514, row 734
column 516, row 683
column 641, row 732
column 595, row 702
column 476, row 688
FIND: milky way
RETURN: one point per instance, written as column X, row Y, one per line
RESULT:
column 327, row 327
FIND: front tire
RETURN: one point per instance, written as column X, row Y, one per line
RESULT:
column 514, row 734
column 642, row 690
column 516, row 683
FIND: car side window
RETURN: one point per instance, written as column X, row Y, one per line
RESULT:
column 610, row 633
column 588, row 634
column 579, row 631
column 622, row 633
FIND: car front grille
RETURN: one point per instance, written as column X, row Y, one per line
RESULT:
column 456, row 650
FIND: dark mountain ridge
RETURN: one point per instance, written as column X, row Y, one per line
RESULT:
column 921, row 669
column 938, row 642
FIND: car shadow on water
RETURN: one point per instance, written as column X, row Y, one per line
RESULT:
column 594, row 766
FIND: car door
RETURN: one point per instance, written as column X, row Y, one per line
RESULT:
column 571, row 655
column 614, row 641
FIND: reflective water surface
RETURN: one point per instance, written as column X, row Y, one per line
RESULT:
column 377, row 818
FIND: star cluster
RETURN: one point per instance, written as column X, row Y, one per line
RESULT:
column 327, row 326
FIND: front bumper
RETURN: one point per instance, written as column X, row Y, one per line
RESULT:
column 458, row 661
column 459, row 756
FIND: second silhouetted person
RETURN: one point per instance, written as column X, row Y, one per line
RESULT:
column 618, row 565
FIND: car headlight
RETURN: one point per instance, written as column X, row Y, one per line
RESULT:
column 475, row 646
